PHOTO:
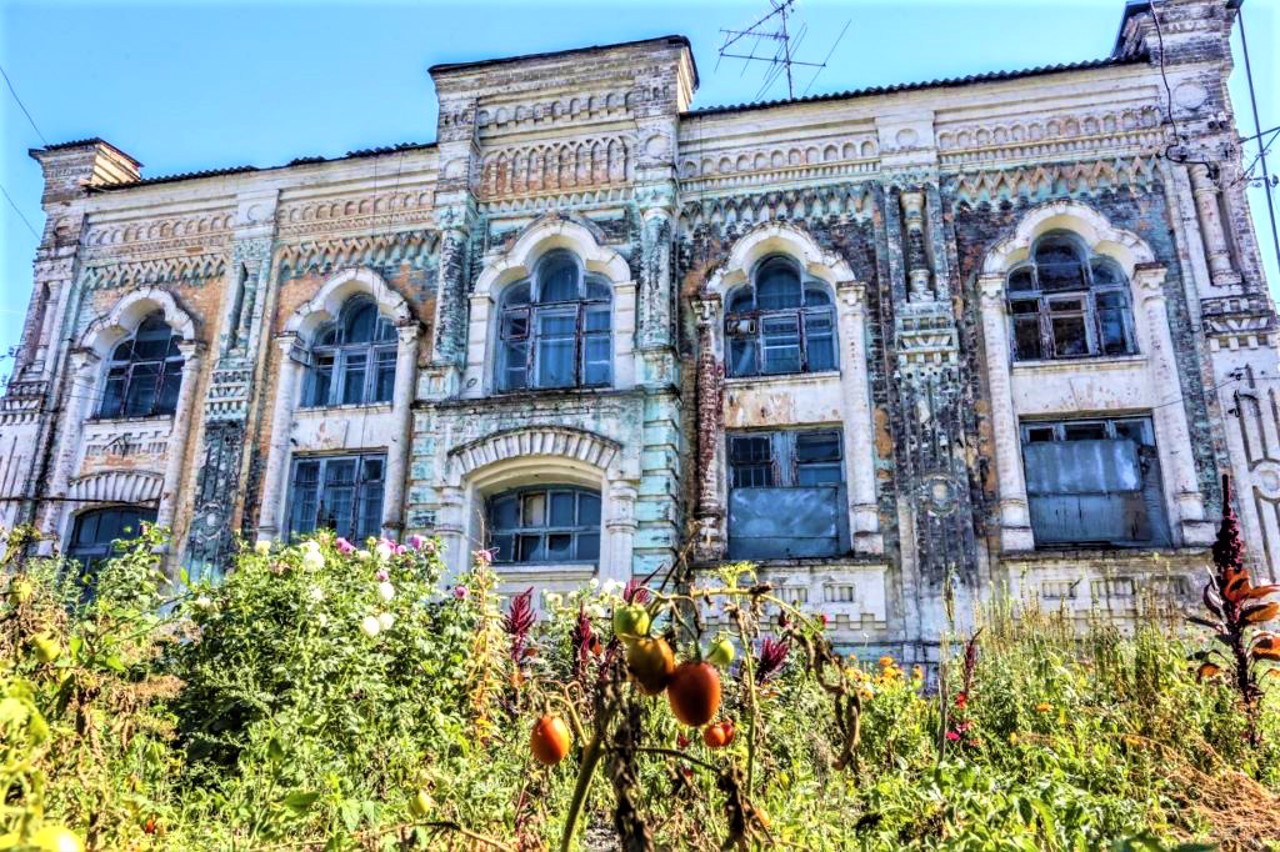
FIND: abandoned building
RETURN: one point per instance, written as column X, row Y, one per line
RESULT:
column 893, row 345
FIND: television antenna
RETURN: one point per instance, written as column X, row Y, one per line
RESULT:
column 772, row 43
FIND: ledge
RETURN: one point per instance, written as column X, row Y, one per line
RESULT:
column 350, row 408
column 163, row 421
column 773, row 379
column 1079, row 365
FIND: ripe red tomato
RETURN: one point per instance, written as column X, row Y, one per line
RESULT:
column 694, row 693
column 718, row 735
column 550, row 740
column 652, row 663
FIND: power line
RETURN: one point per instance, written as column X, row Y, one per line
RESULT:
column 1257, row 128
column 17, row 210
column 23, row 106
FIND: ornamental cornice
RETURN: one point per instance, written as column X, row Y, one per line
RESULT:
column 570, row 111
column 1056, row 180
column 364, row 213
column 533, row 205
column 821, row 159
column 556, row 166
column 846, row 202
column 195, row 227
column 375, row 250
column 1036, row 139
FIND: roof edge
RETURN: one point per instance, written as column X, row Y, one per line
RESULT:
column 450, row 67
column 947, row 82
column 82, row 143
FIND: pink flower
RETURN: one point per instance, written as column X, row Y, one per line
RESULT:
column 381, row 576
column 483, row 557
column 953, row 736
column 461, row 592
column 822, row 619
column 429, row 546
column 344, row 547
column 416, row 541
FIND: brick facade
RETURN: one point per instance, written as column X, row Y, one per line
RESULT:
column 908, row 206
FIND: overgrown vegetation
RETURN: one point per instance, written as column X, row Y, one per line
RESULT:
column 329, row 697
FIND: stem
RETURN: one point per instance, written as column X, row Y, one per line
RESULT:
column 590, row 758
column 670, row 752
column 749, row 670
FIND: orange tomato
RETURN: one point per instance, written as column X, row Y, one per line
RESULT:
column 718, row 735
column 651, row 663
column 550, row 740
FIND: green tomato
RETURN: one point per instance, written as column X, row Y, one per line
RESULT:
column 630, row 620
column 721, row 653
column 47, row 649
column 420, row 804
column 56, row 838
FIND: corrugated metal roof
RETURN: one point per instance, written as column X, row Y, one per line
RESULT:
column 80, row 143
column 236, row 170
column 989, row 77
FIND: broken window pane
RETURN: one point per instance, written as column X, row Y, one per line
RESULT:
column 778, row 324
column 1048, row 323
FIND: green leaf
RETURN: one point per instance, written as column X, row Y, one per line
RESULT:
column 299, row 803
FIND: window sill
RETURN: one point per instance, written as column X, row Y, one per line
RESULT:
column 518, row 569
column 152, row 420
column 1059, row 552
column 1073, row 365
column 782, row 378
column 321, row 410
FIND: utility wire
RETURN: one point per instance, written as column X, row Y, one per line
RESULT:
column 22, row 106
column 1257, row 127
column 17, row 210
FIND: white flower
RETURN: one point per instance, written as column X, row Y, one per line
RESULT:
column 311, row 546
column 322, row 620
column 316, row 593
column 370, row 626
column 313, row 559
column 203, row 602
column 386, row 619
column 593, row 583
column 554, row 600
column 384, row 550
column 386, row 591
column 262, row 547
column 595, row 611
column 611, row 587
column 363, row 555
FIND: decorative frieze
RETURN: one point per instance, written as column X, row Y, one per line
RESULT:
column 375, row 250
column 368, row 213
column 1056, row 180
column 191, row 270
column 554, row 167
column 1063, row 137
column 843, row 202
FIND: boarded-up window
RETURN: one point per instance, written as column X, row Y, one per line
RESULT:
column 1094, row 482
column 786, row 495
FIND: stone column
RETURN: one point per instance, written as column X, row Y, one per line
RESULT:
column 272, row 509
column 1015, row 514
column 860, row 461
column 918, row 275
column 710, row 513
column 81, row 394
column 450, row 330
column 1173, row 436
column 402, row 439
column 179, row 433
column 451, row 526
column 1205, row 189
column 621, row 526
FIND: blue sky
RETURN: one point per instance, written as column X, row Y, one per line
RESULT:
column 194, row 85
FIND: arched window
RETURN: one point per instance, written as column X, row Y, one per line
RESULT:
column 353, row 359
column 1068, row 304
column 780, row 323
column 145, row 372
column 555, row 329
column 547, row 524
column 94, row 535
